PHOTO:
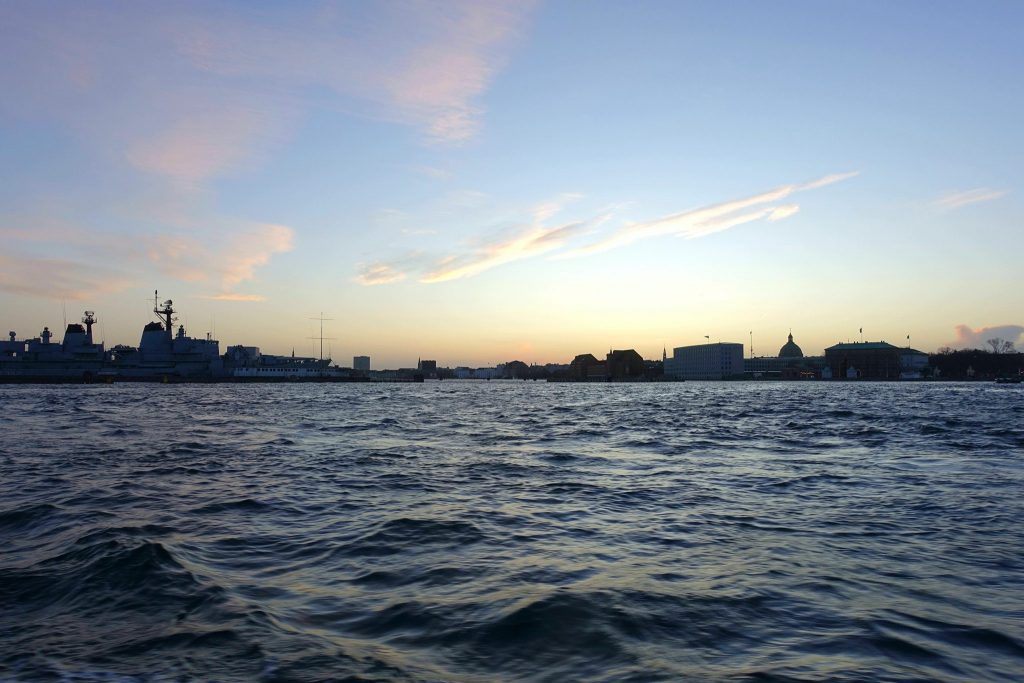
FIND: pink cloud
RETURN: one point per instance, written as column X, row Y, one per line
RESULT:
column 419, row 63
column 58, row 278
column 976, row 338
column 234, row 296
column 231, row 259
column 181, row 257
column 251, row 249
column 204, row 145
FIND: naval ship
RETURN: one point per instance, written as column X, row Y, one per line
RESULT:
column 163, row 355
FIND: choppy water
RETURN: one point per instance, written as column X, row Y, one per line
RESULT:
column 512, row 531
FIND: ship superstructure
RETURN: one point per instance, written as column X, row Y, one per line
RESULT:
column 163, row 354
column 40, row 356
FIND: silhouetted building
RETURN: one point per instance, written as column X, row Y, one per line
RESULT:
column 789, row 364
column 578, row 366
column 627, row 364
column 874, row 360
column 654, row 369
column 516, row 369
column 428, row 367
column 722, row 360
column 790, row 349
column 586, row 366
column 361, row 363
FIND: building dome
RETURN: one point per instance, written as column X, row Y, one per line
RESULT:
column 790, row 349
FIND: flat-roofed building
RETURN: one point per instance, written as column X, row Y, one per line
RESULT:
column 874, row 360
column 721, row 360
column 361, row 363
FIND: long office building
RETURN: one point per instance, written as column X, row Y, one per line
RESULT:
column 722, row 360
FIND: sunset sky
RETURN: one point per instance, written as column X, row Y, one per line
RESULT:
column 480, row 182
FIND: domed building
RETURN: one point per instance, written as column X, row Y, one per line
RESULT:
column 790, row 349
column 791, row 363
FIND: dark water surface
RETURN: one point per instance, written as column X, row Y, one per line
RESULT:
column 512, row 531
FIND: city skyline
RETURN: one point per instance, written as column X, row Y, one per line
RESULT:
column 514, row 180
column 967, row 339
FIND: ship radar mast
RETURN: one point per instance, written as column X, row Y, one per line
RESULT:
column 89, row 319
column 166, row 313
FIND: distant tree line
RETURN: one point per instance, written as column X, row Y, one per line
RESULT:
column 1001, row 361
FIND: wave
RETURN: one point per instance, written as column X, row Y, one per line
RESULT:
column 502, row 531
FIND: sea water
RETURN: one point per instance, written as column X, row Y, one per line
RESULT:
column 481, row 531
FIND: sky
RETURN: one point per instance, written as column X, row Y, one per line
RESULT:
column 476, row 182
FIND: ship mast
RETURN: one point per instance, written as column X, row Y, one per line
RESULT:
column 322, row 337
column 165, row 311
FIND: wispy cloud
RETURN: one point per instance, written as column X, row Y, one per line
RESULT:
column 251, row 249
column 534, row 241
column 161, row 100
column 231, row 260
column 783, row 212
column 707, row 220
column 536, row 237
column 529, row 238
column 58, row 278
column 228, row 254
column 206, row 145
column 378, row 274
column 234, row 296
column 432, row 172
column 420, row 63
column 955, row 200
column 183, row 258
column 440, row 81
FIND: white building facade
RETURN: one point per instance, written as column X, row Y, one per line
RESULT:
column 705, row 361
